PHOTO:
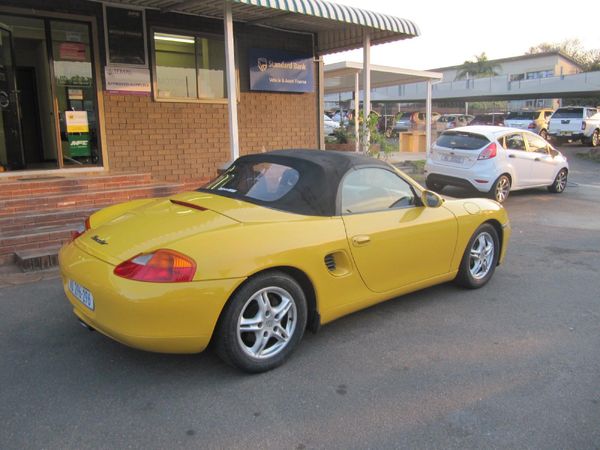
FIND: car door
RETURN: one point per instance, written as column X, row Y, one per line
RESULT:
column 519, row 159
column 544, row 166
column 394, row 240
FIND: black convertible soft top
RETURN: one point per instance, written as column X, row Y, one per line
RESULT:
column 320, row 172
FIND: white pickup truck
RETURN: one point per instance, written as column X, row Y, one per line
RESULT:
column 575, row 123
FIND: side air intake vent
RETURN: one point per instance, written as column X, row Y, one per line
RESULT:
column 330, row 262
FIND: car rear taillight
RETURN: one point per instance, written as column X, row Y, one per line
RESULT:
column 162, row 266
column 81, row 229
column 488, row 152
column 531, row 125
column 583, row 125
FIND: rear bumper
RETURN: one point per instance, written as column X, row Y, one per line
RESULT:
column 158, row 317
column 480, row 179
column 574, row 136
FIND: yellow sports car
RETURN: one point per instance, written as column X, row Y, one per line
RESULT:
column 280, row 242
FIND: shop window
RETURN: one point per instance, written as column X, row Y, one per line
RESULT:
column 188, row 67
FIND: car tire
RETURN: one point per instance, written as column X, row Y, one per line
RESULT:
column 434, row 186
column 480, row 258
column 500, row 189
column 594, row 139
column 253, row 333
column 544, row 135
column 560, row 182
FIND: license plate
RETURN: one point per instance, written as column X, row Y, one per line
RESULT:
column 453, row 159
column 565, row 133
column 82, row 294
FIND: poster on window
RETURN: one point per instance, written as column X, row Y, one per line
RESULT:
column 127, row 80
column 77, row 122
column 125, row 37
column 279, row 71
column 71, row 51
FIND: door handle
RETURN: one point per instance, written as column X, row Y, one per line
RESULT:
column 361, row 239
column 511, row 156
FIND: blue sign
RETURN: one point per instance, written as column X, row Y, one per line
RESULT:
column 278, row 71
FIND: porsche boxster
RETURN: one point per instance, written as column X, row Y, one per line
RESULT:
column 279, row 243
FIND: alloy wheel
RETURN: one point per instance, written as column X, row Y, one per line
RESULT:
column 481, row 256
column 502, row 189
column 561, row 181
column 267, row 322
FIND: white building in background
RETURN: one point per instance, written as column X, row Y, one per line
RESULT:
column 523, row 82
column 525, row 67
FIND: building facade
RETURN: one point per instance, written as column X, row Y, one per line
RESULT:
column 92, row 86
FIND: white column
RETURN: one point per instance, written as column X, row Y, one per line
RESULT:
column 321, row 103
column 356, row 110
column 231, row 84
column 428, row 119
column 366, row 90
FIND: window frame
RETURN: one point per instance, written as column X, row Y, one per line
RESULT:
column 338, row 202
column 195, row 35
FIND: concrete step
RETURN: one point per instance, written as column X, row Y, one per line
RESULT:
column 37, row 259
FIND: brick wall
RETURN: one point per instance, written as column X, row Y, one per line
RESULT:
column 189, row 141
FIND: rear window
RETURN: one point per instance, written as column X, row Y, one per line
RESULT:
column 263, row 181
column 522, row 115
column 462, row 140
column 568, row 113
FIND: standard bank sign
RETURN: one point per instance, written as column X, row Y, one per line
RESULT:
column 278, row 71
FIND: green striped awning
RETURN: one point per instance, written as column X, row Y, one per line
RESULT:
column 335, row 27
column 338, row 27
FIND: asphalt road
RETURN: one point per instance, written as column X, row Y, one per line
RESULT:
column 513, row 365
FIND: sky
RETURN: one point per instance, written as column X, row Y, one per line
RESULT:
column 454, row 31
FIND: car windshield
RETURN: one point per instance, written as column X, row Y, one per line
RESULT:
column 521, row 115
column 405, row 115
column 568, row 113
column 262, row 181
column 447, row 118
column 462, row 140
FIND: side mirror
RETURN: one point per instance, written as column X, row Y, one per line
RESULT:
column 431, row 199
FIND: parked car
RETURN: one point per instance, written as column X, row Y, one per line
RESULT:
column 448, row 121
column 280, row 242
column 329, row 124
column 534, row 121
column 495, row 160
column 409, row 120
column 489, row 119
column 576, row 123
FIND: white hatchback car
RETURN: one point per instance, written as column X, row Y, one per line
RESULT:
column 495, row 160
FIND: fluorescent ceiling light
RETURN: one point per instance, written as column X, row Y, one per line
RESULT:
column 173, row 38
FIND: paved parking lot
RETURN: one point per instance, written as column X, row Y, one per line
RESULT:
column 513, row 365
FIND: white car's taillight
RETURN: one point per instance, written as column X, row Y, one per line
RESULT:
column 488, row 152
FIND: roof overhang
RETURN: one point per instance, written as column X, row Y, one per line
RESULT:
column 337, row 27
column 340, row 77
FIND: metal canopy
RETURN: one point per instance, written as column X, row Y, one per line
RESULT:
column 337, row 27
column 344, row 77
column 340, row 77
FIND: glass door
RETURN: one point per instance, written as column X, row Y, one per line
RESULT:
column 11, row 144
column 75, row 93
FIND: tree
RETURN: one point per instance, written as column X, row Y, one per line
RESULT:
column 481, row 67
column 589, row 60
